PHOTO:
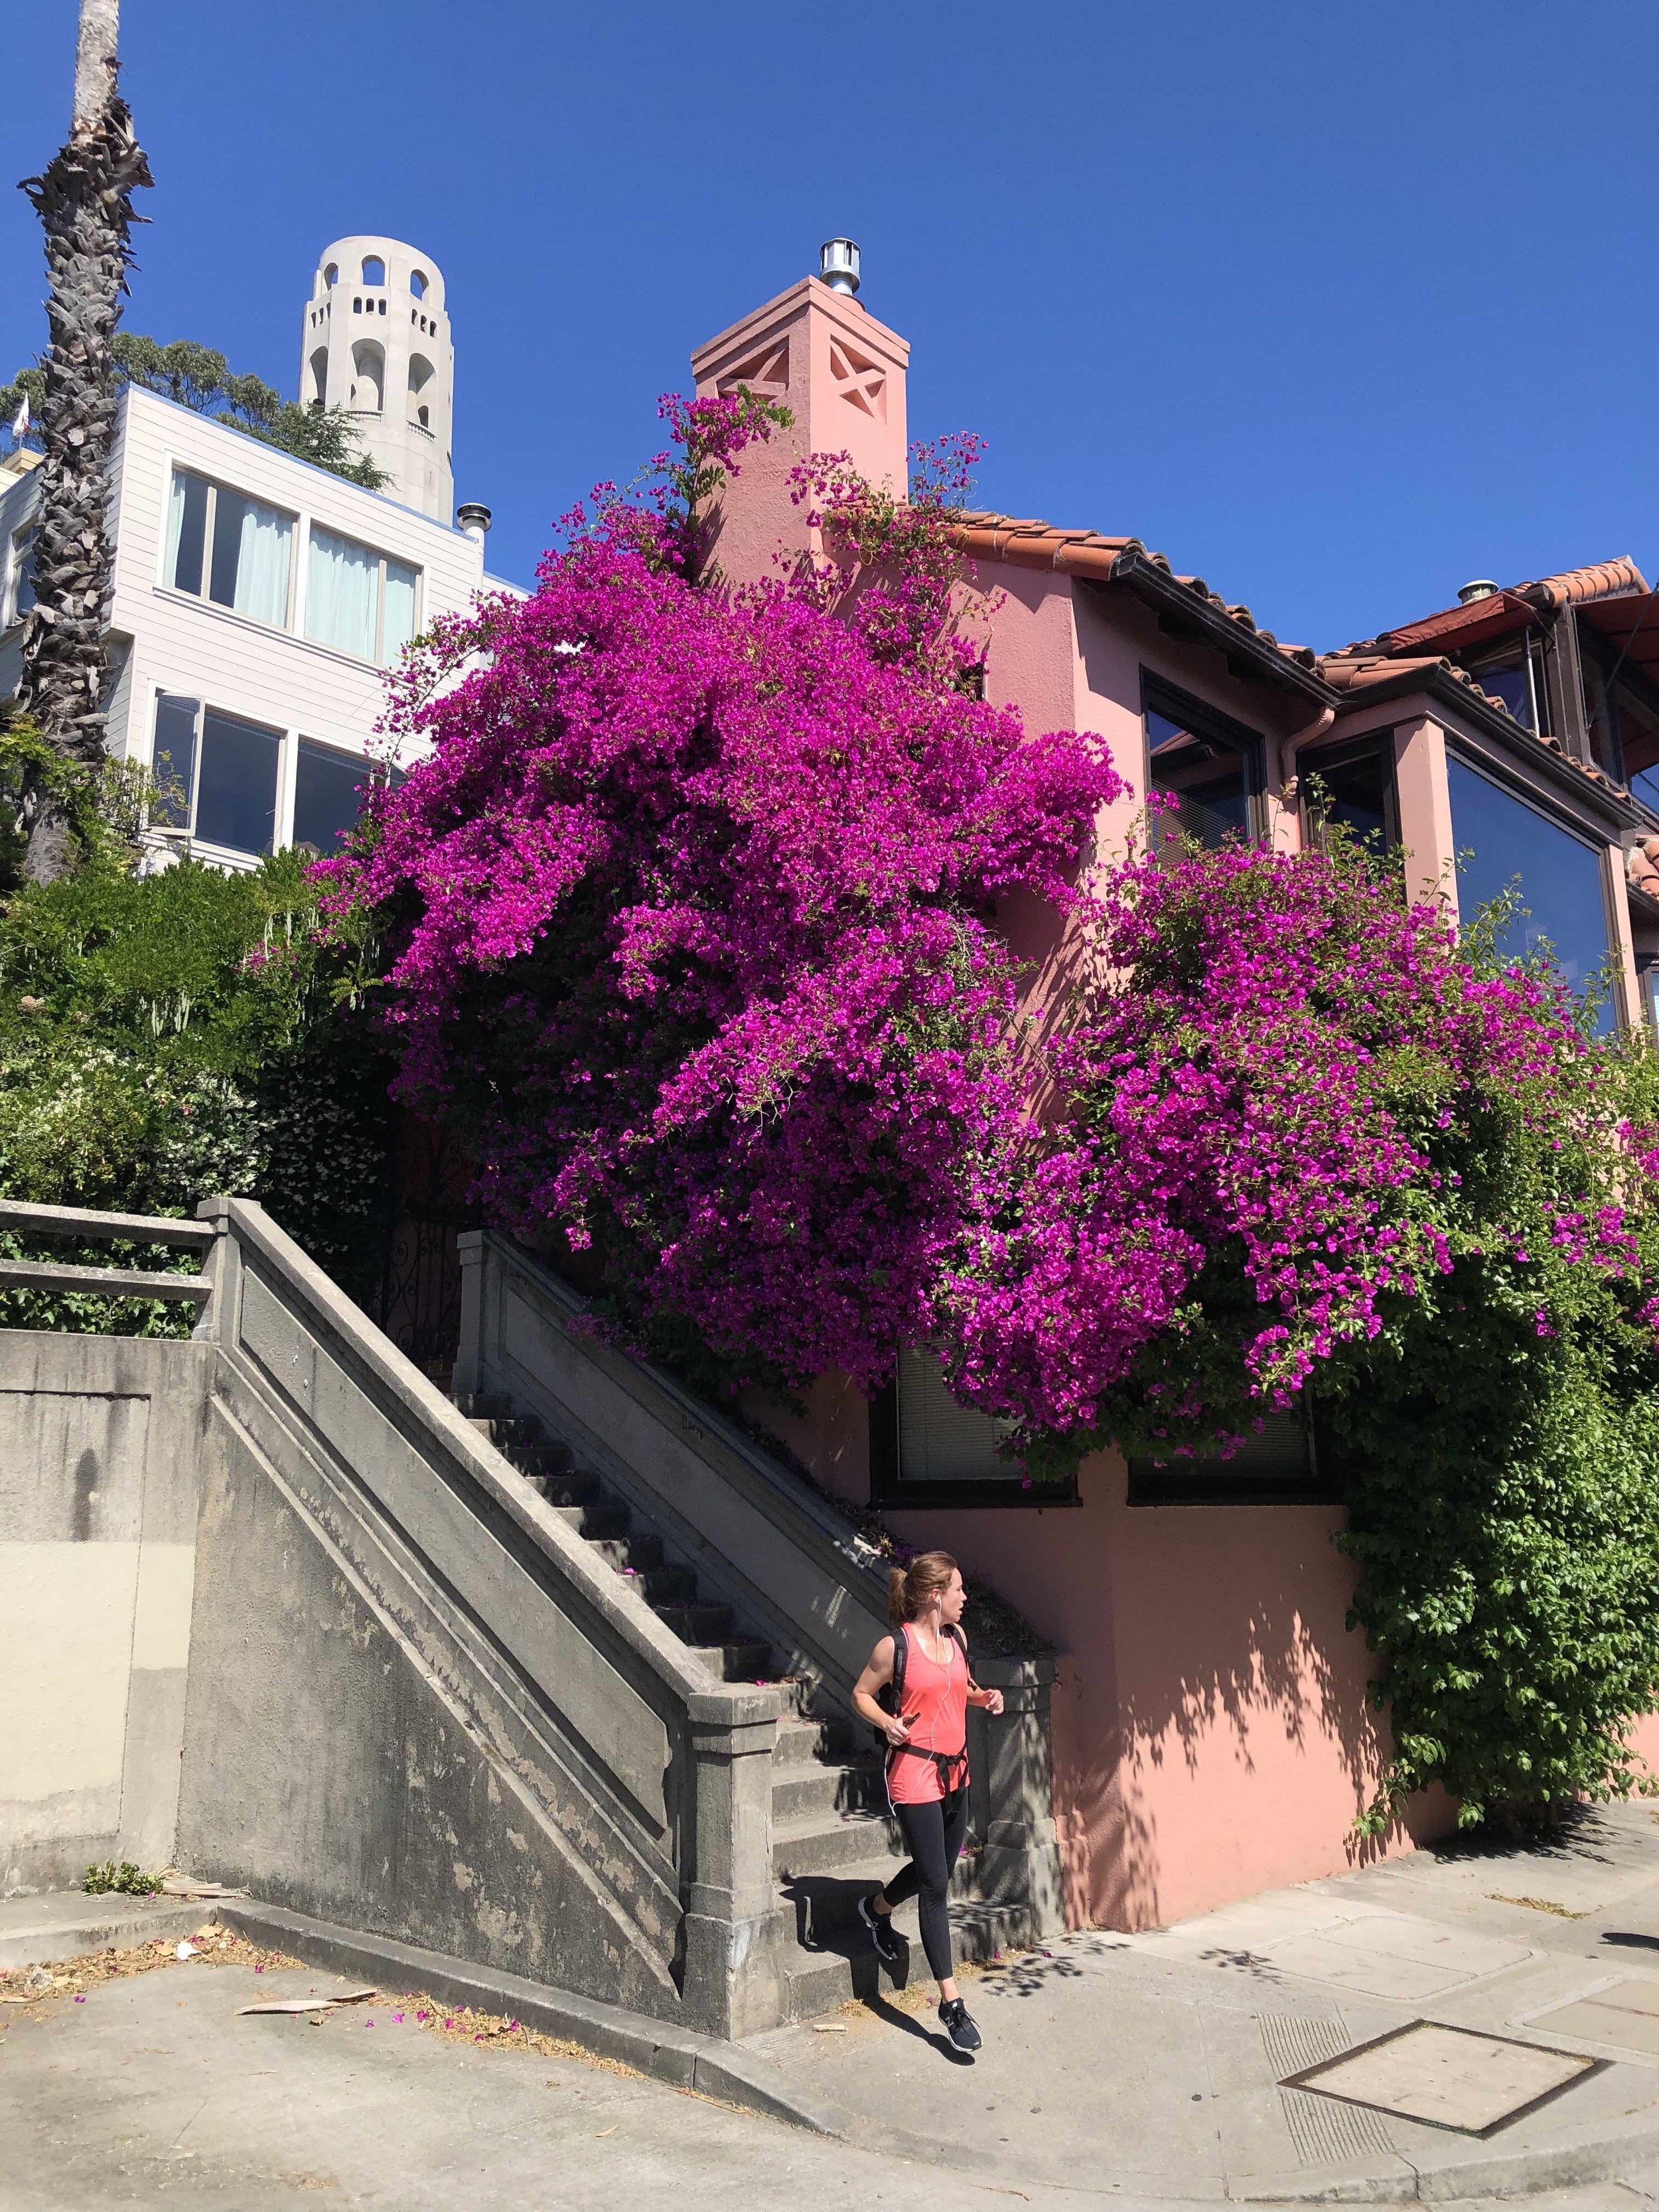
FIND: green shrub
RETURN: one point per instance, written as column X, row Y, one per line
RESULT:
column 170, row 1036
column 120, row 1879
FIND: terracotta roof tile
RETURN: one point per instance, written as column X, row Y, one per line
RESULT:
column 1603, row 580
column 1027, row 544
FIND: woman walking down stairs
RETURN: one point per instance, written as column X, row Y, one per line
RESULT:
column 834, row 1838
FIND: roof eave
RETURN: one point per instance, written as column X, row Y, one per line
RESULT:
column 1138, row 572
column 1446, row 688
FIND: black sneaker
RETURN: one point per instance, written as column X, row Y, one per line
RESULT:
column 958, row 2024
column 883, row 1934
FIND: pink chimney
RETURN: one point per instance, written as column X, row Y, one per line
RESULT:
column 842, row 375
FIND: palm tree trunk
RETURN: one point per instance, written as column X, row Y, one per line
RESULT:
column 84, row 200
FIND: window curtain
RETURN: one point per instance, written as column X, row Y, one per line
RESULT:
column 261, row 559
column 342, row 582
column 398, row 626
column 176, row 523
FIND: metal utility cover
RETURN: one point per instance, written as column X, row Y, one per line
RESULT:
column 1446, row 2077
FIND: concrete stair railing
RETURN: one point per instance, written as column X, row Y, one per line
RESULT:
column 747, row 1542
column 553, row 1680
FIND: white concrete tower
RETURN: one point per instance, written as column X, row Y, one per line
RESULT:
column 377, row 343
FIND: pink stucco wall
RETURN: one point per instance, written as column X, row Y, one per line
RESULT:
column 1211, row 1728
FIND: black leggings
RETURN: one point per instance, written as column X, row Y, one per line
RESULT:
column 934, row 1835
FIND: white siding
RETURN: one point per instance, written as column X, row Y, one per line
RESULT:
column 174, row 642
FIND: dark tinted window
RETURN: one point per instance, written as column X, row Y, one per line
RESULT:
column 1356, row 789
column 1210, row 773
column 1275, row 1462
column 236, row 793
column 328, row 795
column 1500, row 838
column 190, row 496
column 172, row 760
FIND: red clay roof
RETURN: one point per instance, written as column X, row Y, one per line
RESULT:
column 1603, row 580
column 983, row 536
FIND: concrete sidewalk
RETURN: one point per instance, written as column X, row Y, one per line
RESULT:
column 1151, row 2064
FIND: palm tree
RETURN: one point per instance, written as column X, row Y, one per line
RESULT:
column 84, row 200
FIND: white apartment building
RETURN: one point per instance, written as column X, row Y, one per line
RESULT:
column 257, row 603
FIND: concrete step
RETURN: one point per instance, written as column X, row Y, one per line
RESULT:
column 735, row 1662
column 484, row 1405
column 502, row 1429
column 668, row 1585
column 820, row 1843
column 58, row 1925
column 803, row 1738
column 697, row 1624
column 820, row 1789
column 568, row 1489
column 601, row 1518
column 543, row 1460
column 637, row 1553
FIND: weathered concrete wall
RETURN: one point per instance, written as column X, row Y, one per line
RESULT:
column 99, row 1443
column 420, row 1706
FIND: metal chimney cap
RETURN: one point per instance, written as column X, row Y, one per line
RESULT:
column 838, row 264
column 471, row 515
column 1482, row 588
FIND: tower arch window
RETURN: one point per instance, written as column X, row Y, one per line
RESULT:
column 373, row 270
column 319, row 376
column 417, row 282
column 421, row 374
column 367, row 377
column 331, row 274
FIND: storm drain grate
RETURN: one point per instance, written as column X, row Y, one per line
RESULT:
column 1446, row 2077
column 1322, row 2131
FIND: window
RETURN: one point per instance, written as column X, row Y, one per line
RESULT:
column 1275, row 1465
column 233, row 550
column 1352, row 785
column 356, row 599
column 417, row 282
column 925, row 1450
column 1210, row 767
column 1517, row 676
column 331, row 274
column 319, row 376
column 1501, row 841
column 328, row 794
column 20, row 581
column 1647, row 987
column 373, row 270
column 217, row 775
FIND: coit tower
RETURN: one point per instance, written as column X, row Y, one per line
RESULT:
column 377, row 343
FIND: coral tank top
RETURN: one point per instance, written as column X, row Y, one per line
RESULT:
column 936, row 1713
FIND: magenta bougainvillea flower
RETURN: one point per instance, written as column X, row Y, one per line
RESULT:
column 688, row 924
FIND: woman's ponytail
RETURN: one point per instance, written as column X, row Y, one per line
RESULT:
column 909, row 1588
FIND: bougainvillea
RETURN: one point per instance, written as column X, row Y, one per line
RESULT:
column 689, row 921
column 1269, row 1114
column 688, row 912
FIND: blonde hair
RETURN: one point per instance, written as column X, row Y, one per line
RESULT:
column 909, row 1588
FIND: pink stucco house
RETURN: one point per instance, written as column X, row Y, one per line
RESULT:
column 1211, row 1735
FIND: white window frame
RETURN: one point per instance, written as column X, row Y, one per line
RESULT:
column 184, row 836
column 18, row 548
column 175, row 467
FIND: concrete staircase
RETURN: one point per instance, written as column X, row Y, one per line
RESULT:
column 833, row 1839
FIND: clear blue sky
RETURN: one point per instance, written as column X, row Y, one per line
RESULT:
column 1337, row 303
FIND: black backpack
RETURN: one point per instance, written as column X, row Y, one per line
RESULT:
column 891, row 1696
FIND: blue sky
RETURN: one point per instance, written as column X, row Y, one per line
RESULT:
column 1338, row 304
